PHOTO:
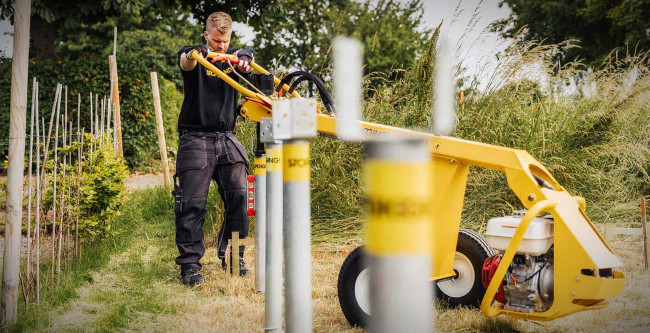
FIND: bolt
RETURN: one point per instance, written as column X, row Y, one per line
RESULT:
column 573, row 293
column 531, row 197
column 578, row 279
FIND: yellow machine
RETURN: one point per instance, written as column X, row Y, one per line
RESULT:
column 530, row 266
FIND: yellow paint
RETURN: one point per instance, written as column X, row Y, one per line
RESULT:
column 259, row 166
column 399, row 217
column 296, row 163
column 273, row 160
column 577, row 243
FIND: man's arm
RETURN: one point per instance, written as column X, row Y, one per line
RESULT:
column 185, row 63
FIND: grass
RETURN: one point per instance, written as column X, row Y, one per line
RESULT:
column 133, row 285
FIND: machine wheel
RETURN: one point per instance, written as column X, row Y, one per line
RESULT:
column 466, row 288
column 353, row 289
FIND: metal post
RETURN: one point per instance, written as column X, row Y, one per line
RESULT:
column 14, row 214
column 398, row 236
column 260, row 214
column 398, row 232
column 273, row 283
column 295, row 121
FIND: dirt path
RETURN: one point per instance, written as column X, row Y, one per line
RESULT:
column 137, row 181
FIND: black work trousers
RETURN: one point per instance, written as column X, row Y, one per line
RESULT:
column 202, row 157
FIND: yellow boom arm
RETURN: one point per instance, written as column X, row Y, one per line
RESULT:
column 580, row 251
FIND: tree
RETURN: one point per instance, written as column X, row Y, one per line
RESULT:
column 52, row 21
column 599, row 26
column 299, row 33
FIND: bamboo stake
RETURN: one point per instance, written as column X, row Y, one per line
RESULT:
column 56, row 152
column 97, row 111
column 57, row 96
column 76, row 228
column 92, row 115
column 101, row 130
column 62, row 206
column 29, row 191
column 160, row 129
column 37, row 227
column 78, row 116
column 108, row 121
column 90, row 144
column 116, row 104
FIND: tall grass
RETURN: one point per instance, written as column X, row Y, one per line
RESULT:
column 596, row 145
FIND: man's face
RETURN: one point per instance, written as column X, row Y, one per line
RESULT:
column 216, row 40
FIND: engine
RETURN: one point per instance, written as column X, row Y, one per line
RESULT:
column 528, row 283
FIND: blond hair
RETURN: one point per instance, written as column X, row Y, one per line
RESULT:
column 220, row 21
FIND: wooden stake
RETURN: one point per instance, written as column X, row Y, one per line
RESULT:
column 108, row 120
column 101, row 131
column 159, row 124
column 78, row 117
column 62, row 206
column 29, row 191
column 112, row 62
column 97, row 111
column 37, row 227
column 92, row 115
column 645, row 231
column 76, row 228
column 57, row 96
column 56, row 153
column 15, row 170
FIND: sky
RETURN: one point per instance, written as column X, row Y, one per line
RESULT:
column 464, row 27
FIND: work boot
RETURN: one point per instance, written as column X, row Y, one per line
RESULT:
column 191, row 276
column 243, row 271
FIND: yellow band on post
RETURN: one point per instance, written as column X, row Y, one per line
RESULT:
column 399, row 212
column 259, row 166
column 296, row 163
column 273, row 160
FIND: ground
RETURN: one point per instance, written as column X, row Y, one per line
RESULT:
column 140, row 290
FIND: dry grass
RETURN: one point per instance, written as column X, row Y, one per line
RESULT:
column 232, row 305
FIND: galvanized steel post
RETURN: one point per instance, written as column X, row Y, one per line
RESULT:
column 260, row 215
column 273, row 263
column 399, row 225
column 398, row 249
column 295, row 122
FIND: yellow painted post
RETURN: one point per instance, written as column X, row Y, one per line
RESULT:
column 398, row 235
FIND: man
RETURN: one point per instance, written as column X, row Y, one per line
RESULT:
column 209, row 150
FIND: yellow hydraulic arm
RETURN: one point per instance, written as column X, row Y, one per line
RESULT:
column 584, row 275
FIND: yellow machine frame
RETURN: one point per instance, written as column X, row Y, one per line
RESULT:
column 580, row 251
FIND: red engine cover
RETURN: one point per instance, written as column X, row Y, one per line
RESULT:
column 489, row 268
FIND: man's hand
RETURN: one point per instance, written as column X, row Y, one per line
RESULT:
column 201, row 49
column 245, row 56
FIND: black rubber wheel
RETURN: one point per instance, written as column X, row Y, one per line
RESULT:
column 466, row 289
column 352, row 277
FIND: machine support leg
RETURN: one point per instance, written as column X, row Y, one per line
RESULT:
column 273, row 285
column 297, row 226
column 260, row 222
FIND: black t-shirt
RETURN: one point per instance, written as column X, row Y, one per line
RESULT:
column 210, row 103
